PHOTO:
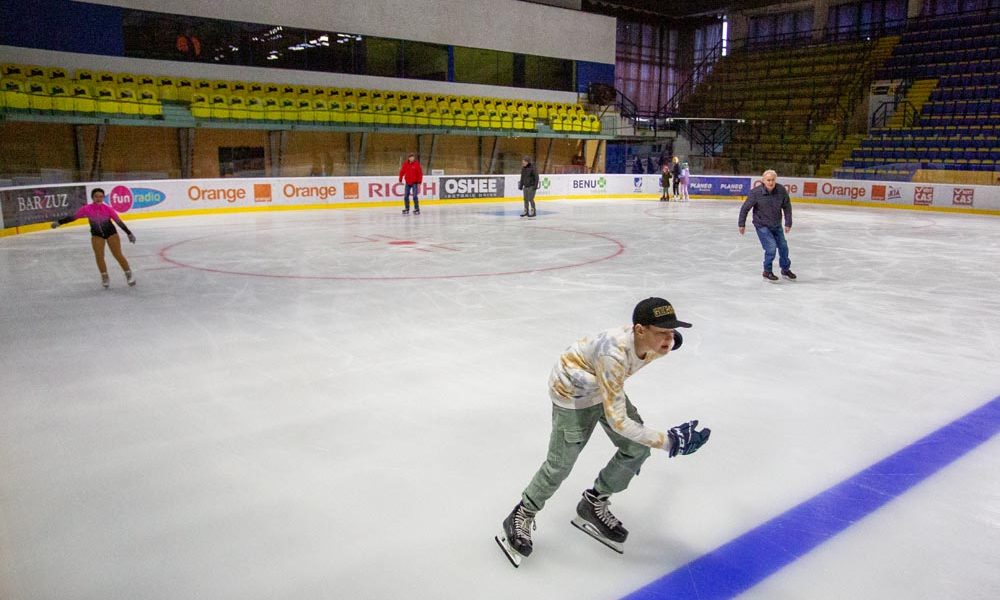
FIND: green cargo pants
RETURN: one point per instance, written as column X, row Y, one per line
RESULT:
column 571, row 431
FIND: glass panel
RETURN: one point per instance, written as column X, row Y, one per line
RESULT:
column 382, row 57
column 425, row 61
column 548, row 73
column 489, row 67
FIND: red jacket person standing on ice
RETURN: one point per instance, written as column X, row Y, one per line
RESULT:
column 414, row 176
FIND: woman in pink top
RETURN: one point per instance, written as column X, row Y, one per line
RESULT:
column 102, row 230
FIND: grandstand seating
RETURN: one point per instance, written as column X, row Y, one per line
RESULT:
column 140, row 96
column 958, row 128
column 792, row 99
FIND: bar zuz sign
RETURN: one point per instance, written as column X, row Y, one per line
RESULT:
column 472, row 187
column 40, row 204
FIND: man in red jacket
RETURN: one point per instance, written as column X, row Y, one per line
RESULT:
column 414, row 176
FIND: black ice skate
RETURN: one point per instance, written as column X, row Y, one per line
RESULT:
column 515, row 537
column 406, row 211
column 787, row 274
column 597, row 521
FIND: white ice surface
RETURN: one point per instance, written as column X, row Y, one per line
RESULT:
column 290, row 405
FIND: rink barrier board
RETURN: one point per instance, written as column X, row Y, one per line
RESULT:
column 32, row 208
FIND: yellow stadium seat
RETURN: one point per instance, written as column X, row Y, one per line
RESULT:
column 447, row 117
column 238, row 107
column 146, row 81
column 166, row 89
column 83, row 102
column 365, row 113
column 127, row 79
column 321, row 111
column 149, row 103
column 14, row 95
column 336, row 110
column 61, row 100
column 219, row 103
column 85, row 75
column 200, row 108
column 128, row 101
column 12, row 71
column 203, row 85
column 272, row 108
column 38, row 95
column 221, row 86
column 35, row 72
column 289, row 108
column 305, row 108
column 238, row 87
column 351, row 114
column 107, row 99
column 57, row 74
column 406, row 113
column 433, row 116
column 420, row 117
column 255, row 89
column 393, row 115
column 185, row 87
column 380, row 113
column 255, row 108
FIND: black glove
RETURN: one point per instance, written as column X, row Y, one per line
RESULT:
column 686, row 439
column 55, row 223
column 131, row 238
column 678, row 340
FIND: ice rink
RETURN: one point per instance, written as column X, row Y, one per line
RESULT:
column 345, row 404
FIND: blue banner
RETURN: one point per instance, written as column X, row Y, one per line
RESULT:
column 719, row 186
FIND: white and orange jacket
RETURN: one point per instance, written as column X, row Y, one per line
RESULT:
column 593, row 371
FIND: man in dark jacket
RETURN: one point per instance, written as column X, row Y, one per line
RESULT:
column 528, row 184
column 769, row 201
column 675, row 170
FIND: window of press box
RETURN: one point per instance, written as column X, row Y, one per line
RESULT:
column 425, row 61
column 486, row 67
column 546, row 73
column 152, row 35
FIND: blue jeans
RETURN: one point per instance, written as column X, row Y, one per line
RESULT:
column 411, row 187
column 773, row 238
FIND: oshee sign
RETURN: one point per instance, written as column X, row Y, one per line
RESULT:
column 28, row 206
column 471, row 187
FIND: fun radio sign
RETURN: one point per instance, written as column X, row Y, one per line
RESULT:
column 124, row 199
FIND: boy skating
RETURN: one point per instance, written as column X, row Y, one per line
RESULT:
column 586, row 387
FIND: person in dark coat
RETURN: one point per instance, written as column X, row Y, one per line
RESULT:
column 675, row 170
column 665, row 183
column 528, row 184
